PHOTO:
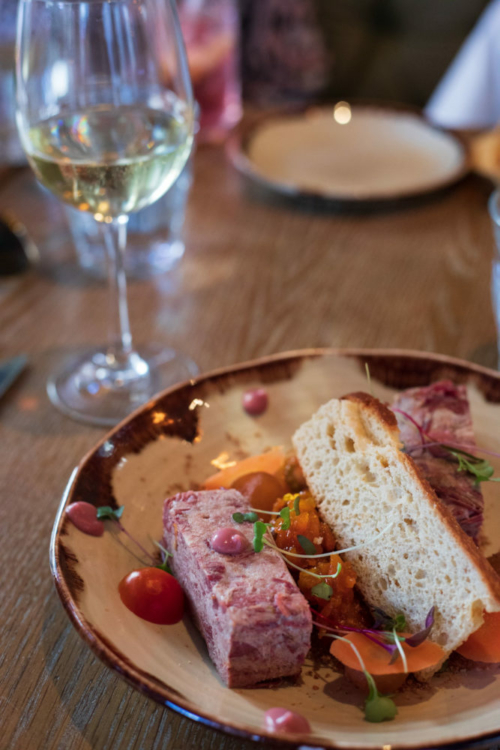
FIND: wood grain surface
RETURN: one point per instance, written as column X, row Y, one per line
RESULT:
column 258, row 277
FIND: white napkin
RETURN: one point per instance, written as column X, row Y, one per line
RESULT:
column 468, row 96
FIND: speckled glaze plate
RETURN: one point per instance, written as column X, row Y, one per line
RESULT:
column 169, row 445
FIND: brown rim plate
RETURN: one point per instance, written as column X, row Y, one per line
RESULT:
column 171, row 443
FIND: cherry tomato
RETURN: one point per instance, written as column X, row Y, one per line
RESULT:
column 154, row 595
column 260, row 488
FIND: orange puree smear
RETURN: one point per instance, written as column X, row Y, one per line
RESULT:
column 344, row 607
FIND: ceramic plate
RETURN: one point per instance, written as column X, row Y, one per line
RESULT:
column 351, row 154
column 171, row 444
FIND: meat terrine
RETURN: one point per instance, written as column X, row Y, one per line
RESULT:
column 256, row 623
column 442, row 411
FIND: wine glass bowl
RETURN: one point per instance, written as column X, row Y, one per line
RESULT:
column 106, row 118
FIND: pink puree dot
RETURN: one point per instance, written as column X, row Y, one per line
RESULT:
column 255, row 401
column 229, row 541
column 283, row 720
column 84, row 517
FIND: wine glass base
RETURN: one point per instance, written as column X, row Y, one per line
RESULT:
column 85, row 390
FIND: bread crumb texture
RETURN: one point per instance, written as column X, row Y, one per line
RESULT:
column 351, row 456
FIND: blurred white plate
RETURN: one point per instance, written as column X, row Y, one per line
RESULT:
column 355, row 154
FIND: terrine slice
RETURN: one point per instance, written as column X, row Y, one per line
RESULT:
column 256, row 623
column 442, row 410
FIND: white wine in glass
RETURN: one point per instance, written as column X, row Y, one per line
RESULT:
column 105, row 113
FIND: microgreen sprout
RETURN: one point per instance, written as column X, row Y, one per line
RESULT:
column 372, row 635
column 385, row 638
column 309, row 572
column 107, row 512
column 296, row 505
column 397, row 641
column 383, row 621
column 337, row 551
column 479, row 468
column 166, row 554
column 242, row 517
column 259, row 529
column 377, row 707
column 285, row 516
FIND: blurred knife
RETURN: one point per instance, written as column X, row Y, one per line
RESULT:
column 10, row 369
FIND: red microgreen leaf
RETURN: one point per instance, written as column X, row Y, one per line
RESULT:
column 417, row 638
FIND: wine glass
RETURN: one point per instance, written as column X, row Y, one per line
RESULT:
column 105, row 114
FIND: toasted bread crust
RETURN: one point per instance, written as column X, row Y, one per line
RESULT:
column 376, row 407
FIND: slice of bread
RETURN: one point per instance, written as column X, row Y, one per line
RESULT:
column 361, row 480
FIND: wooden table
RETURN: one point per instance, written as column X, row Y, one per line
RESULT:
column 257, row 277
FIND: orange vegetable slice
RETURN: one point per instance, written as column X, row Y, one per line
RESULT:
column 377, row 659
column 270, row 462
column 484, row 644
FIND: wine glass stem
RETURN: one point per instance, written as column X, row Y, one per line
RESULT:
column 119, row 336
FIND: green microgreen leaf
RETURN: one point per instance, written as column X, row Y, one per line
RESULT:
column 259, row 529
column 285, row 515
column 164, row 565
column 242, row 517
column 322, row 591
column 383, row 621
column 479, row 468
column 296, row 505
column 399, row 622
column 378, row 707
column 306, row 545
column 107, row 512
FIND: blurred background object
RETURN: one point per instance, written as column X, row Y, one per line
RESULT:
column 284, row 51
column 211, row 34
column 468, row 97
column 293, row 51
column 10, row 147
column 494, row 207
column 17, row 249
column 392, row 50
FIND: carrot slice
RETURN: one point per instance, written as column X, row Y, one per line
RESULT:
column 377, row 659
column 484, row 644
column 270, row 462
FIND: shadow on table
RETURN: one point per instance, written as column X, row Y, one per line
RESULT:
column 26, row 406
